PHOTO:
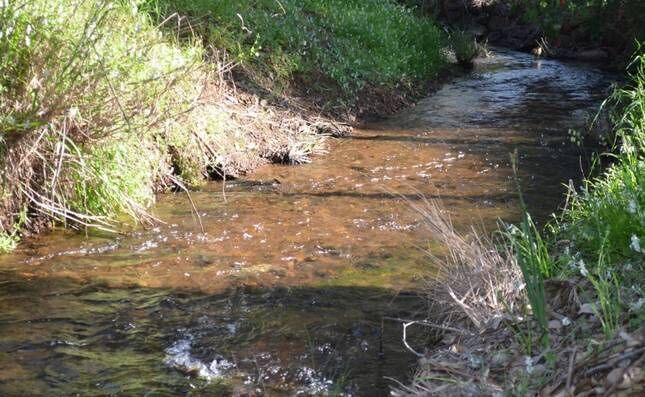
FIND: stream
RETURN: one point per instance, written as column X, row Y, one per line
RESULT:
column 285, row 290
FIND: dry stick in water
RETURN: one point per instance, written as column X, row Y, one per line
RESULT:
column 405, row 338
column 190, row 198
column 426, row 323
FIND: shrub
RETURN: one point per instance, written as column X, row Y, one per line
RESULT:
column 85, row 87
column 464, row 46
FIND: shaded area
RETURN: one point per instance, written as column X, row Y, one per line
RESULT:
column 64, row 338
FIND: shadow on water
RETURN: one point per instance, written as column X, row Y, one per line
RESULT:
column 63, row 338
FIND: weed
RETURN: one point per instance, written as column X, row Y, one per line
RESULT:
column 533, row 258
column 607, row 287
column 477, row 282
column 464, row 46
column 9, row 239
column 607, row 215
column 86, row 89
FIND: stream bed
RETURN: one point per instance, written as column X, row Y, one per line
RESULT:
column 284, row 290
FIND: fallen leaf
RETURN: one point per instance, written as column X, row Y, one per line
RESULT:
column 587, row 308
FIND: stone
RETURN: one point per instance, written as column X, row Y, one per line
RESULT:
column 615, row 376
column 594, row 55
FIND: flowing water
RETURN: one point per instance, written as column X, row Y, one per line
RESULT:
column 285, row 289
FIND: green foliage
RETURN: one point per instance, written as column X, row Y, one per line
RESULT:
column 464, row 46
column 108, row 182
column 352, row 43
column 533, row 259
column 605, row 221
column 9, row 239
column 607, row 287
column 86, row 90
column 609, row 211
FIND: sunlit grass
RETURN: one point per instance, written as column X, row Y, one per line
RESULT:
column 608, row 214
column 332, row 44
column 86, row 88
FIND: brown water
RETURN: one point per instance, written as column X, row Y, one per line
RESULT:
column 284, row 291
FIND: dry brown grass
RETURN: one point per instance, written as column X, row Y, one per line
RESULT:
column 477, row 300
column 476, row 288
column 477, row 282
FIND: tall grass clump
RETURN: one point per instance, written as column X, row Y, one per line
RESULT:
column 534, row 260
column 464, row 46
column 478, row 281
column 608, row 213
column 86, row 90
column 338, row 46
column 605, row 222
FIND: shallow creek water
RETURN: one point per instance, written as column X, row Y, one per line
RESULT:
column 284, row 291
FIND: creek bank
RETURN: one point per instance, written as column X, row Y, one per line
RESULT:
column 199, row 96
column 554, row 311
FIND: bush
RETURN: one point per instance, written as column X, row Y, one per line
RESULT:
column 464, row 46
column 85, row 90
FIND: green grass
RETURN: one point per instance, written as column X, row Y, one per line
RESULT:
column 464, row 46
column 87, row 89
column 534, row 260
column 606, row 220
column 339, row 45
column 608, row 214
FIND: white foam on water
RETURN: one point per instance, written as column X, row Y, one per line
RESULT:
column 179, row 357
